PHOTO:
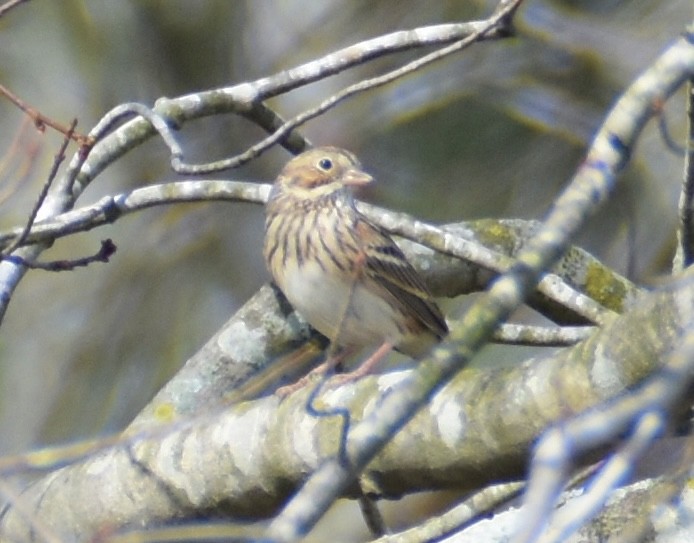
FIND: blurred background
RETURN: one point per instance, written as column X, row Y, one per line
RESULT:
column 494, row 131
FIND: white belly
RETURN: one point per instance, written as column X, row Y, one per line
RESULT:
column 324, row 301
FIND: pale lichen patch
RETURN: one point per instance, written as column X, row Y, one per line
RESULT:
column 605, row 373
column 246, row 343
column 449, row 419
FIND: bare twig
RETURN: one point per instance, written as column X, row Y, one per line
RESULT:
column 110, row 208
column 247, row 98
column 536, row 336
column 492, row 28
column 669, row 141
column 685, row 247
column 41, row 121
column 372, row 515
column 16, row 174
column 445, row 242
column 105, row 252
column 478, row 505
column 7, row 6
column 57, row 160
column 270, row 121
column 158, row 122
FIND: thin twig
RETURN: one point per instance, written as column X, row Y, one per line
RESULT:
column 7, row 6
column 371, row 514
column 158, row 122
column 544, row 336
column 264, row 116
column 25, row 148
column 41, row 121
column 352, row 90
column 110, row 208
column 58, row 159
column 685, row 250
column 670, row 142
column 107, row 249
column 243, row 98
column 438, row 239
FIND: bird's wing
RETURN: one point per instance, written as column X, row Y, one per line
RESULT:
column 387, row 266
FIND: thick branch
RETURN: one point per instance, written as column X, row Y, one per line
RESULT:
column 247, row 460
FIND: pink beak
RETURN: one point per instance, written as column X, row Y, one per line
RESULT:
column 356, row 178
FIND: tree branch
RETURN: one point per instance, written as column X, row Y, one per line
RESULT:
column 243, row 461
column 592, row 185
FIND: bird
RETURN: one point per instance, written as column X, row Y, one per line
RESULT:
column 344, row 274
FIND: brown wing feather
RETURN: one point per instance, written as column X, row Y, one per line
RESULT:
column 387, row 266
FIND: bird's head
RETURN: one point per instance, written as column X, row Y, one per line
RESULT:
column 321, row 172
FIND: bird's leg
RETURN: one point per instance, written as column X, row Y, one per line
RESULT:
column 335, row 354
column 333, row 360
column 364, row 368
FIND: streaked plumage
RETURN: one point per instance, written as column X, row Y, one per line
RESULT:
column 346, row 276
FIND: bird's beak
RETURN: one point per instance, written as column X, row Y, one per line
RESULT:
column 356, row 178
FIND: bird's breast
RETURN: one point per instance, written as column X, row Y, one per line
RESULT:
column 340, row 307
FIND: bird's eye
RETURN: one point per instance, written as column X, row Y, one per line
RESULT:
column 325, row 164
